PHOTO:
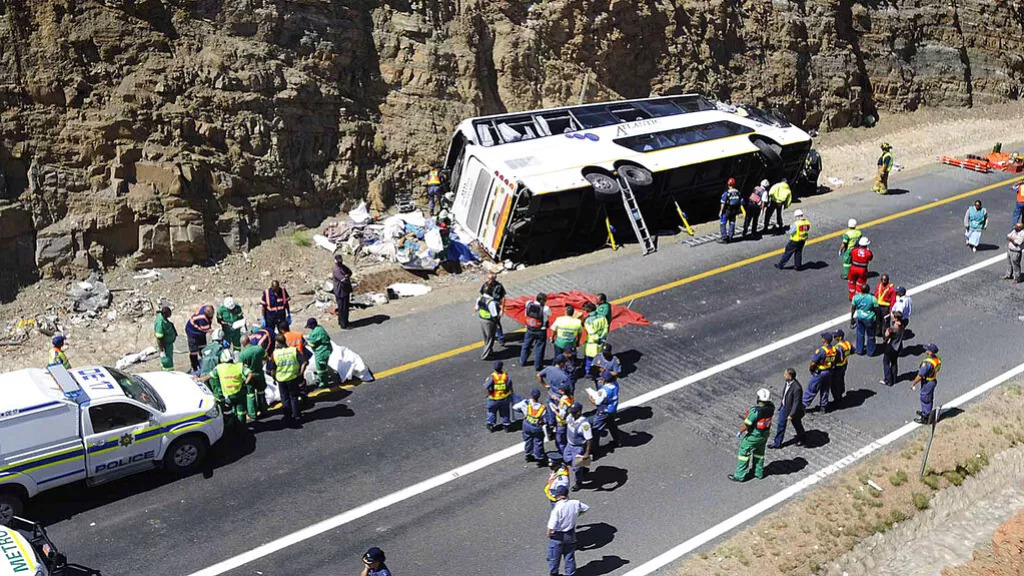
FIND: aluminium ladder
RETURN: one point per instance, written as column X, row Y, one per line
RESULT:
column 636, row 218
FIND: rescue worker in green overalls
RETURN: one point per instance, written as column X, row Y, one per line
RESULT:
column 885, row 163
column 166, row 334
column 228, row 384
column 228, row 314
column 754, row 431
column 320, row 342
column 252, row 358
column 849, row 242
column 596, row 326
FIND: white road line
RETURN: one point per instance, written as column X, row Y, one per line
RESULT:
column 752, row 512
column 442, row 479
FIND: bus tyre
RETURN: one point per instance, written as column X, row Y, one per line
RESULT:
column 605, row 187
column 636, row 176
column 185, row 455
column 770, row 156
column 11, row 504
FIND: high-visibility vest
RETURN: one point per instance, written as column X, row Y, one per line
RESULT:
column 263, row 339
column 829, row 360
column 1020, row 194
column 885, row 160
column 860, row 257
column 885, row 294
column 936, row 366
column 560, row 476
column 843, row 348
column 803, row 230
column 534, row 413
column 272, row 302
column 500, row 390
column 200, row 322
column 568, row 328
column 852, row 236
column 295, row 340
column 57, row 356
column 287, row 362
column 780, row 193
column 230, row 377
column 564, row 402
column 483, row 307
column 764, row 417
column 434, row 178
column 597, row 331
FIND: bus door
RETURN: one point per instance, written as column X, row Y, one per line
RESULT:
column 496, row 216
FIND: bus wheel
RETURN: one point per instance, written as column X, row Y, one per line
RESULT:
column 636, row 176
column 605, row 187
column 770, row 156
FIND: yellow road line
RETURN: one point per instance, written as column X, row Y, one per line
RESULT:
column 707, row 274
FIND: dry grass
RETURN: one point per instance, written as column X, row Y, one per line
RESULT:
column 805, row 535
column 918, row 138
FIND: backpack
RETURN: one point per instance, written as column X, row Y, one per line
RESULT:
column 755, row 197
column 534, row 314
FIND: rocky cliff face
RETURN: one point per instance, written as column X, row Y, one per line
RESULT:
column 175, row 131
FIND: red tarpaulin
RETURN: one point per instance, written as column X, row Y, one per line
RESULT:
column 515, row 308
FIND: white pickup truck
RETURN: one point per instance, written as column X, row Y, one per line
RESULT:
column 97, row 424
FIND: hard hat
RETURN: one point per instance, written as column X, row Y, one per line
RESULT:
column 764, row 183
column 851, row 223
column 732, row 181
column 798, row 213
column 886, row 146
column 58, row 340
column 229, row 303
column 764, row 395
column 864, row 241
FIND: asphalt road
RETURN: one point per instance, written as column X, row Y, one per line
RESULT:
column 667, row 485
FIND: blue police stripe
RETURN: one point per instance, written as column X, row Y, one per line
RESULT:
column 78, row 453
column 72, row 473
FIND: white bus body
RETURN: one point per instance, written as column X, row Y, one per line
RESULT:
column 519, row 179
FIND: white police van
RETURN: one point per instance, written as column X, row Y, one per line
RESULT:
column 97, row 424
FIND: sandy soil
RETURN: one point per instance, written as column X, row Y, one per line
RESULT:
column 919, row 138
column 803, row 536
column 1004, row 556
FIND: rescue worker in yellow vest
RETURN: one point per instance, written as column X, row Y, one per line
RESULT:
column 596, row 326
column 566, row 331
column 798, row 234
column 844, row 349
column 288, row 368
column 533, row 427
column 780, row 196
column 57, row 355
column 822, row 362
column 499, row 397
column 846, row 246
column 927, row 376
column 228, row 384
column 558, row 478
column 884, row 167
column 754, row 431
column 487, row 311
column 434, row 189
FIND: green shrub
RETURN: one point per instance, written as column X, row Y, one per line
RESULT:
column 897, row 478
column 920, row 501
column 303, row 238
column 931, row 481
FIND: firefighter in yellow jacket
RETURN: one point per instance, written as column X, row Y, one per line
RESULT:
column 885, row 163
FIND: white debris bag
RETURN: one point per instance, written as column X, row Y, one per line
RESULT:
column 272, row 392
column 324, row 243
column 433, row 240
column 130, row 359
column 408, row 289
column 360, row 215
column 348, row 364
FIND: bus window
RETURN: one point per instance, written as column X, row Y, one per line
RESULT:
column 693, row 103
column 628, row 113
column 658, row 109
column 595, row 117
column 479, row 198
column 557, row 122
column 486, row 134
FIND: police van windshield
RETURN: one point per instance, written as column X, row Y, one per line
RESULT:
column 137, row 389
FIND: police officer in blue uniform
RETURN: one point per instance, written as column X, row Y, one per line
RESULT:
column 579, row 435
column 499, row 396
column 927, row 378
column 731, row 204
column 822, row 362
column 533, row 427
column 607, row 402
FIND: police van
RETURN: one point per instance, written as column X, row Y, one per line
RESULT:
column 97, row 424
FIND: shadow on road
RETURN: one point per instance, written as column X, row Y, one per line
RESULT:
column 983, row 247
column 636, row 439
column 816, row 438
column 606, row 565
column 855, row 398
column 816, row 265
column 634, row 413
column 896, row 191
column 594, row 536
column 785, row 467
column 369, row 321
column 328, row 412
column 915, row 350
column 607, row 478
column 629, row 359
column 948, row 413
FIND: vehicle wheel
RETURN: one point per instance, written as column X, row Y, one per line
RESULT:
column 605, row 187
column 185, row 455
column 770, row 156
column 11, row 505
column 636, row 176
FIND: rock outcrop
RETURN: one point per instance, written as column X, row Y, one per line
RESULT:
column 174, row 131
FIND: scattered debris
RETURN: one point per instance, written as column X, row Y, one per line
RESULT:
column 360, row 215
column 130, row 359
column 407, row 290
column 875, row 486
column 148, row 274
column 90, row 296
column 369, row 299
column 835, row 183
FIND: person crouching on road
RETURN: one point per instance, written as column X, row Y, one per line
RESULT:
column 754, row 431
column 499, row 397
column 289, row 367
column 791, row 410
column 373, row 563
column 533, row 427
column 558, row 478
column 607, row 401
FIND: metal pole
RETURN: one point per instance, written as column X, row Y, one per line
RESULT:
column 583, row 90
column 928, row 445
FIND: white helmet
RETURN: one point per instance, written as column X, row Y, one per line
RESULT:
column 764, row 395
column 864, row 241
column 798, row 213
column 852, row 223
column 229, row 302
column 764, row 183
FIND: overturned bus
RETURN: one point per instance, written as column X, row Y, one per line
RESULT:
column 532, row 185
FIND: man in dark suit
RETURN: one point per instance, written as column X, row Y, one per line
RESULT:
column 792, row 409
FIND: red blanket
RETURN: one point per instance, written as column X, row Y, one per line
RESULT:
column 515, row 308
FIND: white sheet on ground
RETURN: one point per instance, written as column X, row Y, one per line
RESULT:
column 407, row 289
